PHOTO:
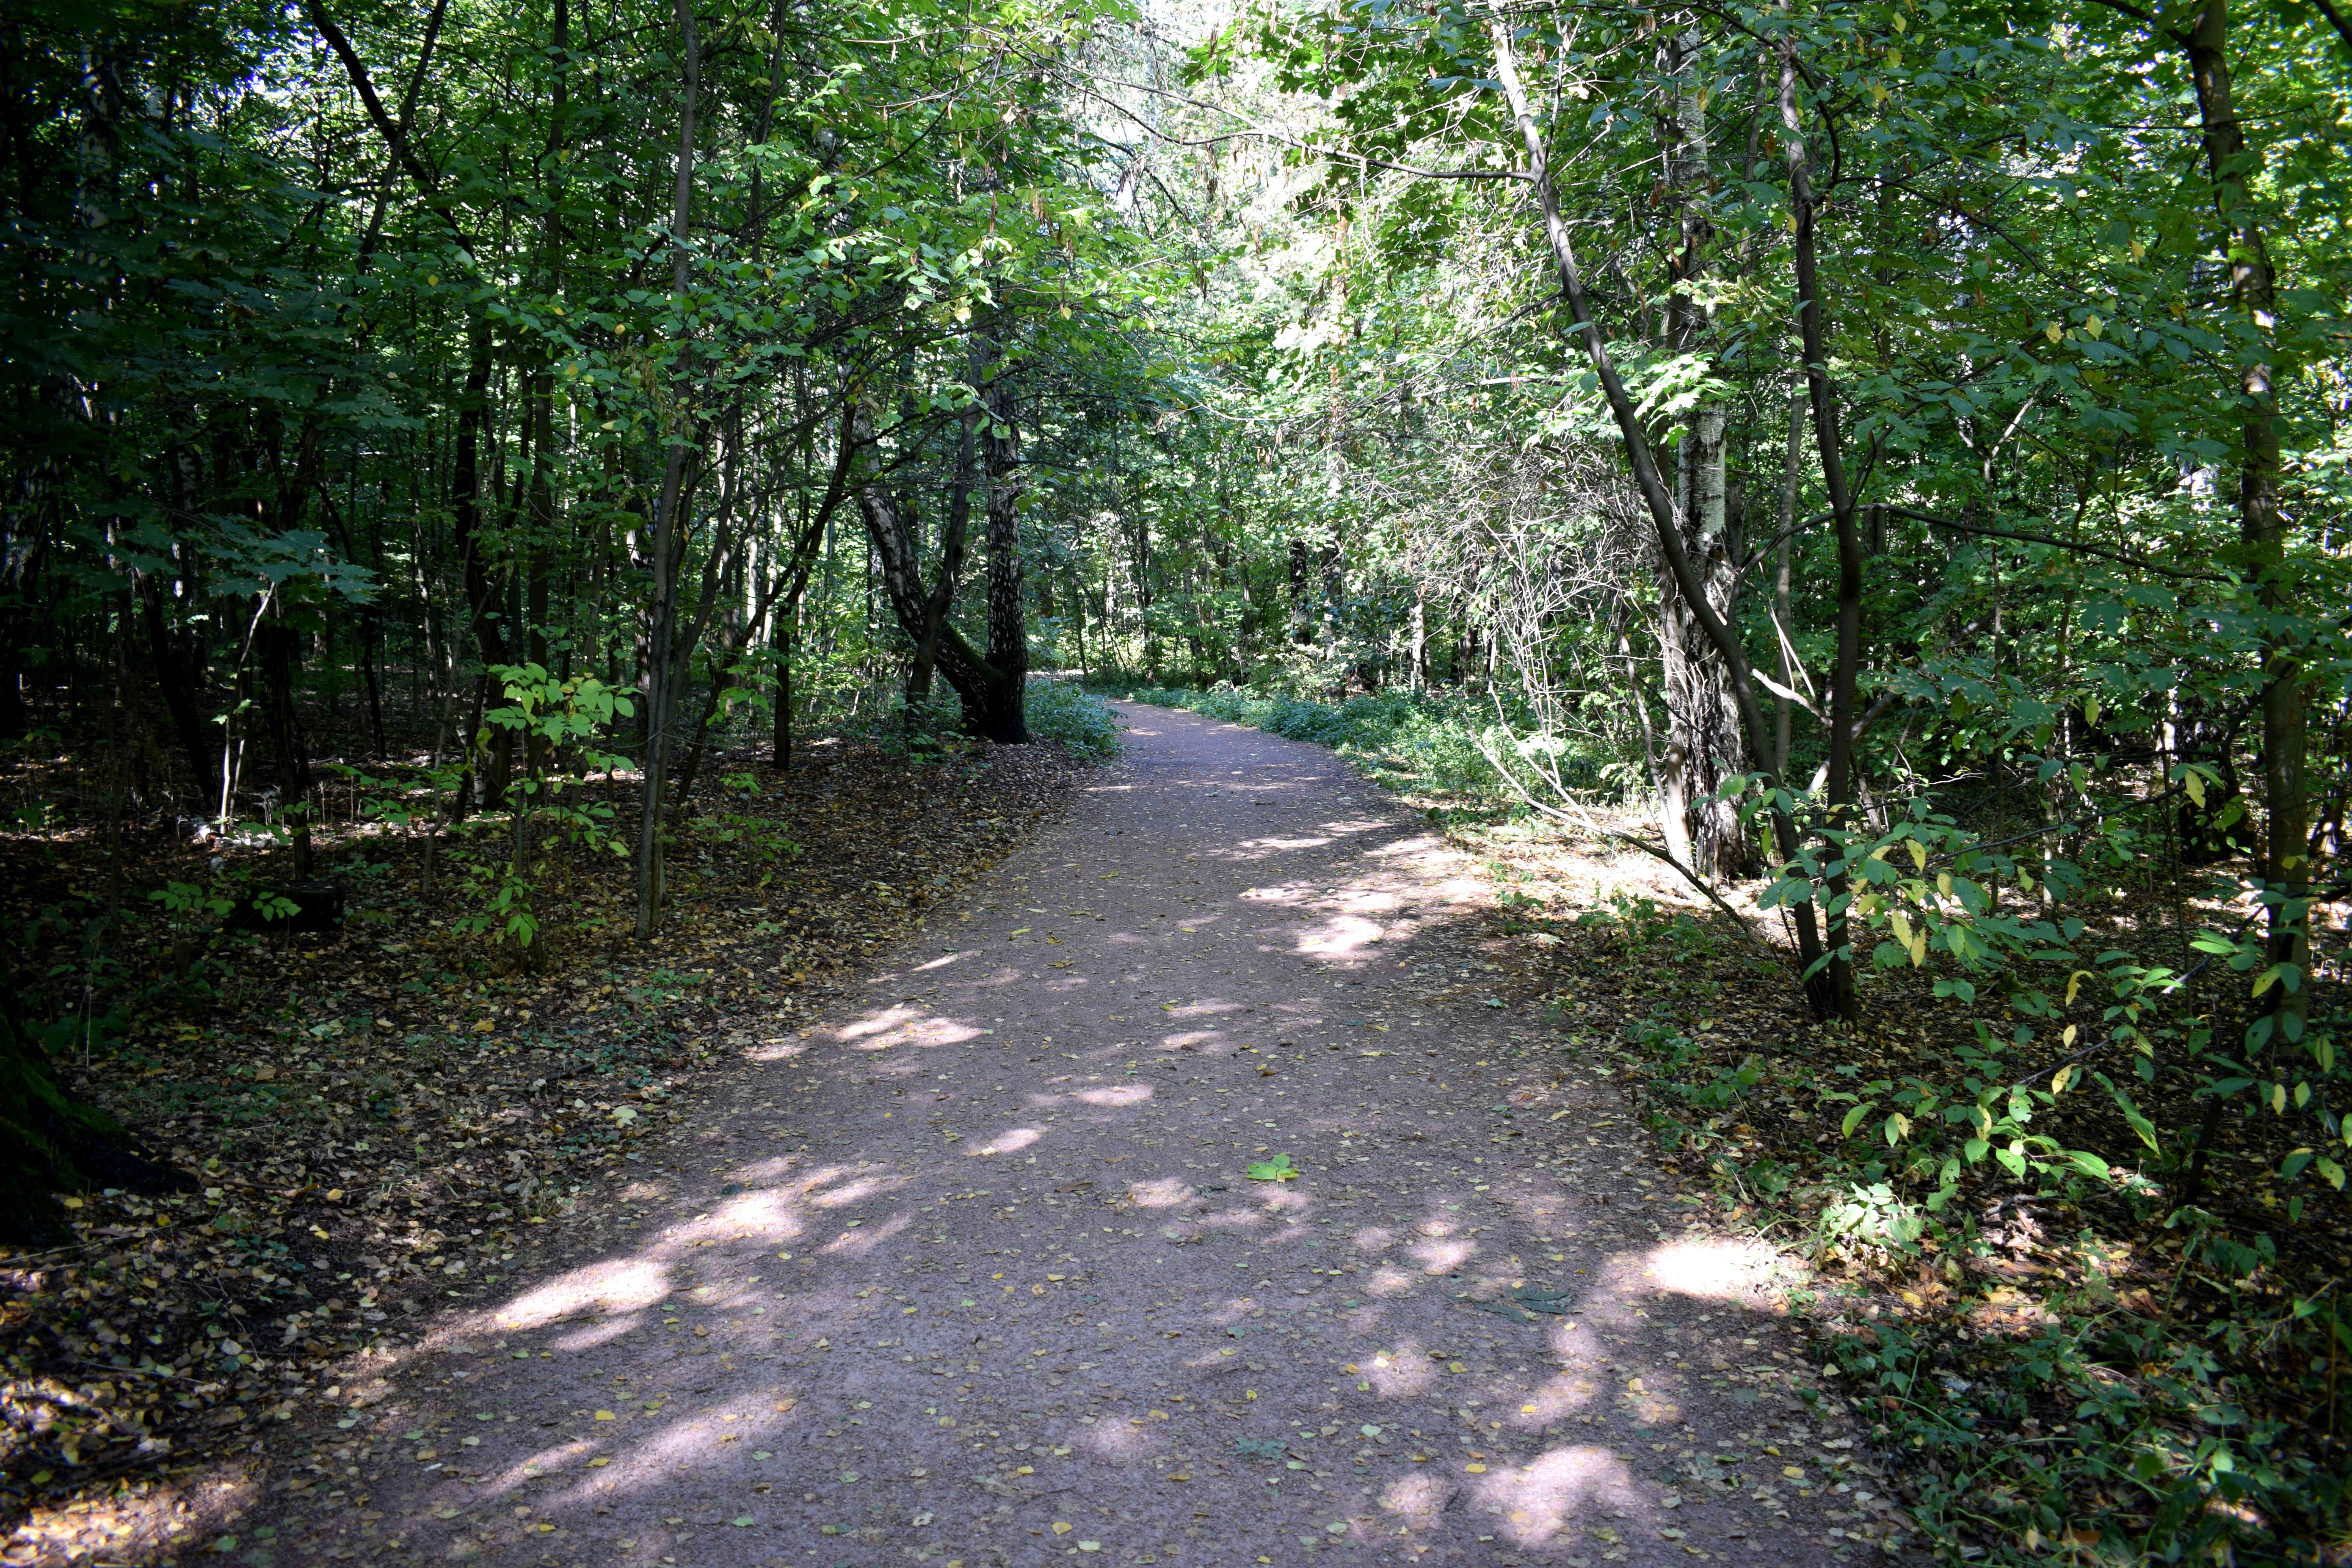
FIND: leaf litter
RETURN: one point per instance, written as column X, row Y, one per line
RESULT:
column 379, row 1125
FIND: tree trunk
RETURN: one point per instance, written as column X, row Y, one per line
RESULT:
column 1004, row 715
column 1420, row 637
column 1845, row 674
column 1702, row 743
column 275, row 647
column 174, row 680
column 466, row 520
column 2262, row 526
column 941, row 601
column 781, row 639
column 669, row 530
column 1783, row 555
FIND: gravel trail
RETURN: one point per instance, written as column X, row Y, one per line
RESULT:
column 975, row 1271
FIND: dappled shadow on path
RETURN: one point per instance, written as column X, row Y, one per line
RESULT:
column 1160, row 1207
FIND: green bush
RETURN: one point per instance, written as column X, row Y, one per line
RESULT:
column 1064, row 711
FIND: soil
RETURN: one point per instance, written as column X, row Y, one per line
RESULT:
column 996, row 1263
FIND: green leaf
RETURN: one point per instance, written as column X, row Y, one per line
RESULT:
column 1278, row 1169
column 2139, row 1124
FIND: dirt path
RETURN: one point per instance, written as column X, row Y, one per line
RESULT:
column 975, row 1273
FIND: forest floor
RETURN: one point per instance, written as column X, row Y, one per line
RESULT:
column 396, row 1117
column 1206, row 1189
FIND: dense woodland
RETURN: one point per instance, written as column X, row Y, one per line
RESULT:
column 1888, row 459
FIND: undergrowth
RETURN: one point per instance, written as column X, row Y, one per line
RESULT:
column 2063, row 1366
column 1422, row 745
column 1064, row 711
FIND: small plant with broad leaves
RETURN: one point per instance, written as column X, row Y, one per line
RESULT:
column 557, row 724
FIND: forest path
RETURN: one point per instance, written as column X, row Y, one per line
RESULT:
column 974, row 1273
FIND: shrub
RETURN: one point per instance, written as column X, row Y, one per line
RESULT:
column 1422, row 744
column 1061, row 711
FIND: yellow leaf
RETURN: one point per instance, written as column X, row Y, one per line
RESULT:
column 599, row 1462
column 1918, row 854
column 1878, row 94
column 2194, row 782
column 1474, row 1469
column 607, row 1416
column 1062, row 1527
column 2138, row 250
column 1943, row 883
column 2068, row 1037
column 2074, row 984
column 2092, row 324
column 2054, row 332
column 2061, row 1078
column 1902, row 925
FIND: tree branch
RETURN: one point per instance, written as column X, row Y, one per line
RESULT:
column 393, row 131
column 2179, row 572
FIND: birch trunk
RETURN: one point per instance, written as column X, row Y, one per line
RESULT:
column 1703, row 740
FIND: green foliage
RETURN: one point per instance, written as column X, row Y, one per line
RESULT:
column 558, row 723
column 1063, row 711
column 1422, row 744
